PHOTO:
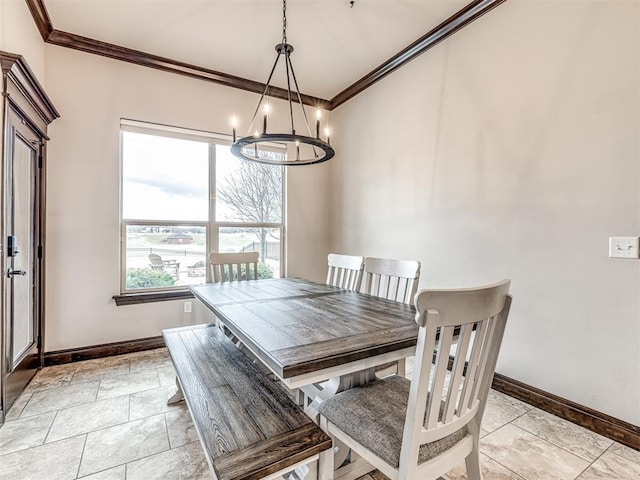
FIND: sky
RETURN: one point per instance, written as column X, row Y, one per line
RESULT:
column 168, row 178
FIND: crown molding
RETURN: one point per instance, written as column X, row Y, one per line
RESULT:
column 41, row 17
column 90, row 45
column 459, row 20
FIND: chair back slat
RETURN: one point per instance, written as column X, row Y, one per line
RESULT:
column 228, row 267
column 457, row 370
column 476, row 318
column 443, row 346
column 395, row 280
column 472, row 367
column 345, row 271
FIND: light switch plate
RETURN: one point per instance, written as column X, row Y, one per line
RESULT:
column 624, row 247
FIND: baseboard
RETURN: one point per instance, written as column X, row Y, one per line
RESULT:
column 598, row 422
column 104, row 350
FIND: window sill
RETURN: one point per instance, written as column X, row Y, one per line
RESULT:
column 151, row 297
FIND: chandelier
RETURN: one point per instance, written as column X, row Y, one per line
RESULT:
column 301, row 149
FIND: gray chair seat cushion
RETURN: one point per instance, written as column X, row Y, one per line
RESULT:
column 374, row 415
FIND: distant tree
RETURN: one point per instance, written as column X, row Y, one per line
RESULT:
column 254, row 193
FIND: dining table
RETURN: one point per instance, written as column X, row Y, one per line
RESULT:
column 314, row 337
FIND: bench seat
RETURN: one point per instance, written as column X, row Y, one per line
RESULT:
column 249, row 428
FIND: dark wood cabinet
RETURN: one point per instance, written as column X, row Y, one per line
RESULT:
column 26, row 113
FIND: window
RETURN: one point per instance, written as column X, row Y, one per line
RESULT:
column 184, row 195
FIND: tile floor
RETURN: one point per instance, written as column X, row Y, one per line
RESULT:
column 107, row 419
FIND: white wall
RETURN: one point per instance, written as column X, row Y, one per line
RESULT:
column 511, row 150
column 83, row 267
column 18, row 34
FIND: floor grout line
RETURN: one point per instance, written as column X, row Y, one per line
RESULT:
column 84, row 445
column 504, row 466
column 502, row 403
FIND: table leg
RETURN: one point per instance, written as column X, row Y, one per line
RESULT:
column 177, row 396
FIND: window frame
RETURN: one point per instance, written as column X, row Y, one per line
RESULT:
column 211, row 225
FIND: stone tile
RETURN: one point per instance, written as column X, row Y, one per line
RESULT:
column 53, row 461
column 150, row 402
column 626, row 452
column 180, row 427
column 186, row 462
column 491, row 470
column 61, row 397
column 50, row 377
column 25, row 433
column 376, row 475
column 89, row 417
column 571, row 437
column 101, row 368
column 167, row 375
column 124, row 443
column 500, row 410
column 126, row 384
column 150, row 360
column 18, row 406
column 163, row 351
column 116, row 473
column 530, row 456
column 612, row 467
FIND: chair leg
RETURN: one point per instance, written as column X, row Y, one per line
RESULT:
column 474, row 470
column 326, row 464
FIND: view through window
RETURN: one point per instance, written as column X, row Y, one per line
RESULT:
column 184, row 195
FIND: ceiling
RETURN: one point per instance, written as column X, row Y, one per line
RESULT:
column 335, row 45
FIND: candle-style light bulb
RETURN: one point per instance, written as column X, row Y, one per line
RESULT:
column 327, row 132
column 318, row 115
column 234, row 124
column 265, row 109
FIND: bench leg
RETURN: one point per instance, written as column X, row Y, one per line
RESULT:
column 177, row 396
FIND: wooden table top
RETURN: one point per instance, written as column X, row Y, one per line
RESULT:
column 298, row 327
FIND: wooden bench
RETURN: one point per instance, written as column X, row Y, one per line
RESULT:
column 249, row 428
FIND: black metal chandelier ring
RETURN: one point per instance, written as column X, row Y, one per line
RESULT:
column 327, row 151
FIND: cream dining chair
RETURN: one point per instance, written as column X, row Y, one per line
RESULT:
column 422, row 428
column 230, row 267
column 395, row 280
column 345, row 271
column 233, row 267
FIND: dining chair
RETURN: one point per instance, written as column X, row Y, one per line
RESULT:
column 395, row 280
column 391, row 279
column 345, row 271
column 233, row 267
column 422, row 428
column 230, row 267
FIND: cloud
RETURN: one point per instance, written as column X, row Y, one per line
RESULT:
column 172, row 186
